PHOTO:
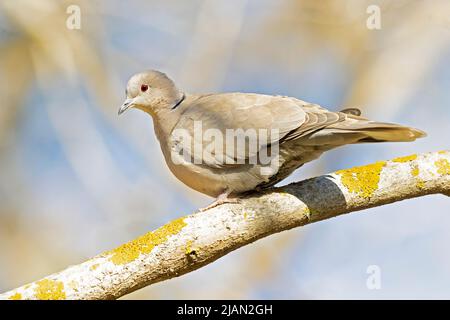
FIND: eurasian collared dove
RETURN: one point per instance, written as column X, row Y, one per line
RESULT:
column 299, row 132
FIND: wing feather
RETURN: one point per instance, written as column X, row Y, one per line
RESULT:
column 281, row 118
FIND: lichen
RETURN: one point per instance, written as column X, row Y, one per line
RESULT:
column 73, row 285
column 48, row 289
column 405, row 159
column 415, row 173
column 130, row 251
column 191, row 251
column 443, row 166
column 362, row 180
column 414, row 168
column 188, row 247
column 94, row 266
column 15, row 296
column 307, row 213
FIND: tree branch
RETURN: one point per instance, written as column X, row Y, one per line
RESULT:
column 191, row 242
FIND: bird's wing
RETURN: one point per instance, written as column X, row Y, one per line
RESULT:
column 279, row 118
column 316, row 118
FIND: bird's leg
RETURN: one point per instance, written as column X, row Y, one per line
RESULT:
column 222, row 199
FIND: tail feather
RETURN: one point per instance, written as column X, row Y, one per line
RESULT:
column 353, row 128
column 399, row 134
column 379, row 131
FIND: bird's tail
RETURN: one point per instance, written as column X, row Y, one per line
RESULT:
column 355, row 129
column 372, row 131
column 395, row 133
column 384, row 132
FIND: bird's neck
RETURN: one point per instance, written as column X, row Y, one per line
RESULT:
column 166, row 118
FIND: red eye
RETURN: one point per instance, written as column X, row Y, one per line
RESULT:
column 144, row 87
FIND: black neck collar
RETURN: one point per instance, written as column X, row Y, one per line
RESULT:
column 179, row 102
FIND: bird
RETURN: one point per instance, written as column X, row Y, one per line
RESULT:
column 297, row 130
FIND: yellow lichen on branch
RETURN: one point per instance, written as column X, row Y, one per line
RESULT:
column 443, row 166
column 145, row 244
column 47, row 289
column 362, row 180
column 405, row 159
column 15, row 296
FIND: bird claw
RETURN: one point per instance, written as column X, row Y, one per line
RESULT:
column 218, row 202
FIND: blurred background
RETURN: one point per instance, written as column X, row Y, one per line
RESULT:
column 75, row 179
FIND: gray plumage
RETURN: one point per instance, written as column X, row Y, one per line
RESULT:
column 305, row 131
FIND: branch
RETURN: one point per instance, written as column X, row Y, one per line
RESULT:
column 190, row 242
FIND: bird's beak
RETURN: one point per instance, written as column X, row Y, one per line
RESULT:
column 127, row 104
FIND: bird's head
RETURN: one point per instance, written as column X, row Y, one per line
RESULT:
column 151, row 91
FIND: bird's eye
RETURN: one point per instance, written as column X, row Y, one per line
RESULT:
column 144, row 87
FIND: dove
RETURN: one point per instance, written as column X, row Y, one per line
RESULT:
column 281, row 134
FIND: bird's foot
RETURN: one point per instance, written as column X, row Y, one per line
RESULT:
column 222, row 199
